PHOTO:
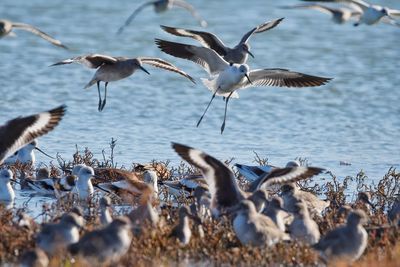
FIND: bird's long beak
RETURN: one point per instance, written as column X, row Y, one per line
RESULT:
column 15, row 181
column 44, row 153
column 251, row 54
column 248, row 78
column 143, row 69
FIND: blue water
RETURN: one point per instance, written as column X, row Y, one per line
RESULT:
column 355, row 118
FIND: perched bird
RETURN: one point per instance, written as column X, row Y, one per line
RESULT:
column 7, row 26
column 182, row 230
column 55, row 237
column 20, row 131
column 7, row 194
column 259, row 199
column 292, row 195
column 226, row 78
column 224, row 190
column 275, row 211
column 238, row 54
column 339, row 15
column 110, row 69
column 363, row 202
column 346, row 242
column 253, row 228
column 105, row 210
column 34, row 258
column 370, row 14
column 84, row 184
column 162, row 6
column 106, row 245
column 303, row 228
column 26, row 154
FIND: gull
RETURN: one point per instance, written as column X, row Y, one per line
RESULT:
column 106, row 245
column 7, row 194
column 26, row 155
column 371, row 14
column 111, row 69
column 55, row 237
column 339, row 15
column 224, row 190
column 162, row 6
column 253, row 228
column 292, row 195
column 303, row 228
column 226, row 78
column 238, row 54
column 84, row 184
column 7, row 26
column 34, row 257
column 105, row 210
column 346, row 242
column 20, row 131
column 182, row 230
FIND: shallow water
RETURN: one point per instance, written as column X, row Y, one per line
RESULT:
column 355, row 118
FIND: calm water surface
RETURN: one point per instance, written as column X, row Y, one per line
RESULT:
column 355, row 118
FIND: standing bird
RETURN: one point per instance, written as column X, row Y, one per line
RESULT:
column 20, row 131
column 7, row 194
column 84, row 184
column 182, row 230
column 303, row 228
column 162, row 6
column 7, row 26
column 226, row 78
column 339, row 15
column 238, row 54
column 274, row 210
column 346, row 242
column 106, row 245
column 105, row 210
column 111, row 69
column 55, row 237
column 371, row 14
column 253, row 228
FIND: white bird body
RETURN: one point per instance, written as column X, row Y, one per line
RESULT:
column 7, row 193
column 84, row 184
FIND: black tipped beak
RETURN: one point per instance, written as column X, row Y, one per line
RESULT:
column 143, row 69
column 251, row 54
column 44, row 153
column 248, row 78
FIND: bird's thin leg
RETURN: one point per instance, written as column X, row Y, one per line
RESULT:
column 226, row 107
column 201, row 118
column 105, row 96
column 98, row 90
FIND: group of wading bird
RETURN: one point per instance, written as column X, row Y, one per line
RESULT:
column 257, row 218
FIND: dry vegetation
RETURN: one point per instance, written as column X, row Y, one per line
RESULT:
column 153, row 247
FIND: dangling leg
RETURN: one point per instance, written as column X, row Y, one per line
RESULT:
column 213, row 96
column 98, row 90
column 226, row 107
column 105, row 96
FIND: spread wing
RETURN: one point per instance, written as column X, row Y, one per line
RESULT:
column 159, row 63
column 260, row 28
column 34, row 30
column 18, row 132
column 190, row 8
column 205, row 57
column 283, row 78
column 133, row 15
column 205, row 38
column 92, row 61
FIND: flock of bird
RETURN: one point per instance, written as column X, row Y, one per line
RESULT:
column 258, row 218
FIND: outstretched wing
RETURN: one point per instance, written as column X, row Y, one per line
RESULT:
column 18, row 132
column 92, row 61
column 133, row 15
column 38, row 32
column 260, row 28
column 205, row 57
column 190, row 8
column 159, row 63
column 283, row 78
